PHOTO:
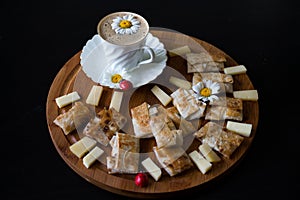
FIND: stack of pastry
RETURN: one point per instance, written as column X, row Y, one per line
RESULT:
column 169, row 140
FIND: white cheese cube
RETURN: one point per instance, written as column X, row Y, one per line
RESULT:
column 152, row 168
column 92, row 156
column 116, row 100
column 82, row 146
column 239, row 69
column 94, row 95
column 208, row 153
column 243, row 129
column 67, row 99
column 247, row 95
column 181, row 83
column 163, row 97
column 180, row 51
column 202, row 164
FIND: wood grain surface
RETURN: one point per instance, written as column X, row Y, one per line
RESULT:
column 72, row 78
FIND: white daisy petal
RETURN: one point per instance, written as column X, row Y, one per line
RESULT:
column 114, row 26
column 117, row 30
column 130, row 17
column 122, row 31
column 204, row 98
column 211, row 84
column 128, row 31
column 196, row 95
column 196, row 88
column 215, row 90
column 117, row 20
column 134, row 28
column 213, row 97
column 208, row 83
column 137, row 26
column 215, row 87
column 135, row 22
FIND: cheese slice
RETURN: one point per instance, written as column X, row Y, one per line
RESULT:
column 163, row 97
column 243, row 129
column 247, row 95
column 208, row 153
column 92, row 156
column 152, row 168
column 239, row 69
column 180, row 82
column 202, row 164
column 180, row 51
column 67, row 99
column 116, row 100
column 94, row 95
column 82, row 146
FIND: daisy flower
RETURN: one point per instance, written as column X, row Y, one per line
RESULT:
column 127, row 24
column 112, row 77
column 207, row 90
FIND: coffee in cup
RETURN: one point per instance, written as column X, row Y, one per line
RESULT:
column 124, row 35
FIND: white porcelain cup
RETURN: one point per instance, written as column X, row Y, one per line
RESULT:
column 124, row 45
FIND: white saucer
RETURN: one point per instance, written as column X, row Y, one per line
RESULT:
column 94, row 68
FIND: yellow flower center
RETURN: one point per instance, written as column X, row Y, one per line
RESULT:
column 125, row 24
column 116, row 78
column 206, row 92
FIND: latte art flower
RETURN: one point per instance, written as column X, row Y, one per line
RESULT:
column 127, row 24
column 207, row 90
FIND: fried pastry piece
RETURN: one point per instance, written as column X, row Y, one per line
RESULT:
column 186, row 126
column 75, row 117
column 204, row 62
column 205, row 67
column 140, row 120
column 229, row 102
column 215, row 113
column 95, row 131
column 105, row 125
column 225, row 108
column 160, row 127
column 173, row 159
column 159, row 115
column 213, row 76
column 111, row 121
column 234, row 114
column 187, row 104
column 221, row 140
column 203, row 57
column 124, row 156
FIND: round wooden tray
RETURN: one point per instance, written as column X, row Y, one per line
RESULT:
column 71, row 78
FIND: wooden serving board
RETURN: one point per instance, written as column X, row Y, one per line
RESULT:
column 72, row 78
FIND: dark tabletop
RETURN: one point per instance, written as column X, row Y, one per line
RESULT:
column 38, row 37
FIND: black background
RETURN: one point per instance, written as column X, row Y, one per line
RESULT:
column 38, row 37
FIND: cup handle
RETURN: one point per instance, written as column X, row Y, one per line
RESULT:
column 150, row 52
